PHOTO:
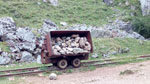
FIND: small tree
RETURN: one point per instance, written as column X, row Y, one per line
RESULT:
column 142, row 25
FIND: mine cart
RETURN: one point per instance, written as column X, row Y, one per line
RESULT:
column 62, row 48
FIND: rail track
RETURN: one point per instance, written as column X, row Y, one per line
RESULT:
column 36, row 70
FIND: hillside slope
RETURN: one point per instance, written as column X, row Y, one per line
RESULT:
column 91, row 12
column 28, row 36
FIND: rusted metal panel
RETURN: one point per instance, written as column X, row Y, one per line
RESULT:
column 49, row 45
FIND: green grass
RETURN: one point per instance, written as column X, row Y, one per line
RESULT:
column 104, row 45
column 23, row 65
column 90, row 12
column 4, row 46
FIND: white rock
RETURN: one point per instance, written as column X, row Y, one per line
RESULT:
column 68, row 38
column 57, row 47
column 69, row 52
column 40, row 74
column 88, row 48
column 127, row 3
column 95, row 55
column 58, row 39
column 145, row 6
column 62, row 52
column 7, row 25
column 75, row 35
column 39, row 59
column 63, row 23
column 11, row 36
column 55, row 51
column 108, row 2
column 73, row 44
column 38, row 3
column 70, row 49
column 63, row 44
column 25, row 34
column 54, row 2
column 44, row 0
column 4, row 60
column 0, row 50
column 77, row 50
column 27, row 57
column 68, row 43
column 27, row 46
column 77, row 39
column 52, row 76
column 47, row 26
column 82, row 43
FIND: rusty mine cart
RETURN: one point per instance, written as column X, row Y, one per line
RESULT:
column 62, row 61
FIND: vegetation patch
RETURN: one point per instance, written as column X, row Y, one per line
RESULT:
column 105, row 45
column 4, row 47
column 91, row 12
column 127, row 72
column 23, row 65
column 142, row 26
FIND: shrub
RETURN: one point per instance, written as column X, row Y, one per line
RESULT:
column 142, row 25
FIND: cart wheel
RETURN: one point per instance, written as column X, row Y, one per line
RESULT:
column 62, row 64
column 76, row 62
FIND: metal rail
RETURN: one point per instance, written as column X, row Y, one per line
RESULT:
column 129, row 57
column 32, row 68
column 22, row 73
column 36, row 70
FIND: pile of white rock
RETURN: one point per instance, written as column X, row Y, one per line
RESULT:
column 73, row 44
column 23, row 43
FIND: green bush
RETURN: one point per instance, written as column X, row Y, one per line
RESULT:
column 142, row 25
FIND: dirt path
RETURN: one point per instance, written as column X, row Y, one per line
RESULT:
column 106, row 75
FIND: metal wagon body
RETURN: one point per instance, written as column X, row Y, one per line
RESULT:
column 47, row 55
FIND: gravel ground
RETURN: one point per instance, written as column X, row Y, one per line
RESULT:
column 106, row 75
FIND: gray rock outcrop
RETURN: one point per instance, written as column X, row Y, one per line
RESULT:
column 145, row 6
column 108, row 2
column 27, row 57
column 7, row 25
column 25, row 34
column 38, row 60
column 19, row 40
column 4, row 58
column 115, row 29
column 48, row 26
column 53, row 2
column 24, row 45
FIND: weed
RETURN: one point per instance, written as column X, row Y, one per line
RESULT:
column 127, row 72
column 69, row 71
column 91, row 68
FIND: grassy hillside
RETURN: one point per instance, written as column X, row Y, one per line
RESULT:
column 91, row 12
column 136, row 47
